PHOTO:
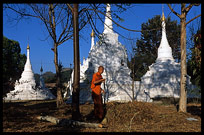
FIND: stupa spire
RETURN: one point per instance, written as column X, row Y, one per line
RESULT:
column 108, row 24
column 28, row 55
column 164, row 50
column 28, row 64
column 41, row 69
column 92, row 33
column 42, row 84
column 92, row 38
column 28, row 73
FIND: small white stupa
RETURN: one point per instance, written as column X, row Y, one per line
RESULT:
column 25, row 88
column 163, row 77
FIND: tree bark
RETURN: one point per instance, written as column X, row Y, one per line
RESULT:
column 58, row 82
column 183, row 91
column 133, row 78
column 76, row 84
column 53, row 27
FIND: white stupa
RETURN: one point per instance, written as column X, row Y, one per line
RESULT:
column 25, row 88
column 164, row 50
column 163, row 77
column 27, row 75
column 111, row 54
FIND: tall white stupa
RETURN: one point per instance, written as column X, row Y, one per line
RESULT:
column 25, row 88
column 111, row 54
column 164, row 50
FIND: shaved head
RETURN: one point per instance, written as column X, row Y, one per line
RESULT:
column 100, row 69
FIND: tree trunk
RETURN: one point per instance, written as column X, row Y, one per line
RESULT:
column 53, row 27
column 76, row 85
column 183, row 92
column 133, row 79
column 58, row 83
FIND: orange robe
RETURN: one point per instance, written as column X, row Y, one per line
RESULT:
column 96, row 88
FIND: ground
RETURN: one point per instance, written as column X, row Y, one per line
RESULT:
column 122, row 117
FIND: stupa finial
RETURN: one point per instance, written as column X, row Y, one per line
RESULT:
column 163, row 17
column 92, row 33
column 28, row 47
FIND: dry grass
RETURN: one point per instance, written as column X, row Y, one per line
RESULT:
column 122, row 117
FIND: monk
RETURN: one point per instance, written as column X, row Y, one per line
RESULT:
column 96, row 93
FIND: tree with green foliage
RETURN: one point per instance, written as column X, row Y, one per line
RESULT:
column 37, row 79
column 194, row 64
column 145, row 50
column 49, row 77
column 66, row 75
column 13, row 61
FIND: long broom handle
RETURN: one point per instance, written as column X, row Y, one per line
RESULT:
column 104, row 93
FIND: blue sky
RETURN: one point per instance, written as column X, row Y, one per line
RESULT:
column 34, row 32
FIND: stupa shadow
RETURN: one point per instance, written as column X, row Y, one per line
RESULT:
column 162, row 78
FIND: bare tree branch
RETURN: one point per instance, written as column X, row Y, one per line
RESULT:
column 59, row 14
column 193, row 19
column 65, row 28
column 118, row 23
column 92, row 25
column 177, row 14
column 21, row 13
column 114, row 21
column 70, row 7
column 189, row 7
column 66, row 37
column 112, row 29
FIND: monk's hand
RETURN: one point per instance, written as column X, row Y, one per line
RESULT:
column 102, row 91
column 103, row 80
